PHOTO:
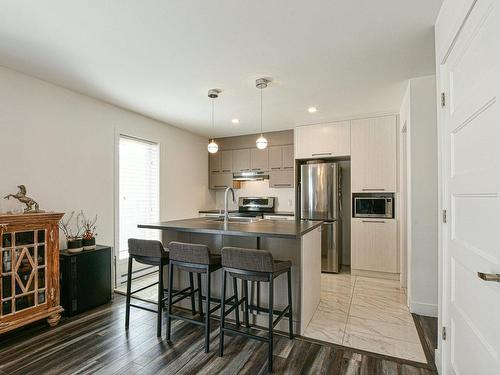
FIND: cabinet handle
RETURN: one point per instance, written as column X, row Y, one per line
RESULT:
column 282, row 184
column 275, row 167
column 226, row 170
column 372, row 189
column 287, row 167
column 246, row 169
column 216, row 171
column 322, row 154
column 489, row 276
column 255, row 169
column 221, row 186
column 373, row 221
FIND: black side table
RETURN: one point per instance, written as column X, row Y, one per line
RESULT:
column 85, row 279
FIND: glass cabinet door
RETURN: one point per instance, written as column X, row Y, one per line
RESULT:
column 23, row 264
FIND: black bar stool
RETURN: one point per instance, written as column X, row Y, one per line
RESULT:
column 198, row 259
column 254, row 265
column 152, row 253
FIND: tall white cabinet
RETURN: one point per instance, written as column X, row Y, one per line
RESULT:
column 373, row 155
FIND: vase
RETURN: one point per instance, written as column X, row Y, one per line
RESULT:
column 74, row 245
column 89, row 244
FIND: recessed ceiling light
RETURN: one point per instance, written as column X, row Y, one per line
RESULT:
column 312, row 109
column 235, row 121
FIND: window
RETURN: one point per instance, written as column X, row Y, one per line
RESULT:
column 139, row 190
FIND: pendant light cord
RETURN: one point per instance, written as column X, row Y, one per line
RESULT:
column 261, row 111
column 213, row 123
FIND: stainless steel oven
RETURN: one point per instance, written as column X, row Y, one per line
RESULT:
column 373, row 206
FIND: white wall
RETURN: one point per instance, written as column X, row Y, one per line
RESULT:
column 61, row 145
column 285, row 201
column 418, row 111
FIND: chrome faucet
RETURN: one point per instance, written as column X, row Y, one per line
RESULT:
column 226, row 212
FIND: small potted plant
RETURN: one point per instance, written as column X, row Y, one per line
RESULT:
column 89, row 232
column 74, row 242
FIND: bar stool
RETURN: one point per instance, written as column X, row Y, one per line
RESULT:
column 255, row 265
column 152, row 253
column 198, row 259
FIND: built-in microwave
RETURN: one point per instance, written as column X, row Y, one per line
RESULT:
column 373, row 206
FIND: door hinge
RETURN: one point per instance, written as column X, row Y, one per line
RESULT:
column 443, row 333
column 443, row 100
column 445, row 216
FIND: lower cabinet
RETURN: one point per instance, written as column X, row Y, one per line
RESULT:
column 281, row 178
column 374, row 245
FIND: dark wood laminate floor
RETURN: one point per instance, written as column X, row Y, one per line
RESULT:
column 97, row 343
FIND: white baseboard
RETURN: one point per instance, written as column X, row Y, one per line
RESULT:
column 426, row 309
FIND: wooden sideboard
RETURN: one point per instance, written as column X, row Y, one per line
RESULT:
column 29, row 269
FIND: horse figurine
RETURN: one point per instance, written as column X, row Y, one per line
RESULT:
column 21, row 197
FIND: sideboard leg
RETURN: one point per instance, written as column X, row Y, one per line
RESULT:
column 53, row 319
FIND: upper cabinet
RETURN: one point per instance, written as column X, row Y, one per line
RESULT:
column 241, row 160
column 259, row 160
column 373, row 154
column 323, row 140
column 281, row 157
column 215, row 162
column 287, row 157
column 226, row 163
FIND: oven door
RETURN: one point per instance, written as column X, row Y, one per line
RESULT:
column 371, row 207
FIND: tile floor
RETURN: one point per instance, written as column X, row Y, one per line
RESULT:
column 368, row 314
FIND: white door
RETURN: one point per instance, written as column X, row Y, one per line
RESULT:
column 470, row 78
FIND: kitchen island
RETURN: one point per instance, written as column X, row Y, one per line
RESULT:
column 297, row 241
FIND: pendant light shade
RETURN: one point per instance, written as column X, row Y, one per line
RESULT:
column 261, row 142
column 261, row 84
column 212, row 146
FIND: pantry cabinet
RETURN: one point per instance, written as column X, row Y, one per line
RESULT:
column 374, row 246
column 373, row 155
column 323, row 140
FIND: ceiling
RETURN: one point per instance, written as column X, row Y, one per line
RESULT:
column 159, row 58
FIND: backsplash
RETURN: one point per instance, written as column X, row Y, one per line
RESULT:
column 285, row 197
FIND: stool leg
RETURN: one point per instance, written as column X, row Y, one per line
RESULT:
column 191, row 285
column 271, row 320
column 222, row 314
column 258, row 296
column 160, row 298
column 290, row 311
column 129, row 286
column 236, row 310
column 207, row 316
column 200, row 297
column 169, row 306
column 245, row 303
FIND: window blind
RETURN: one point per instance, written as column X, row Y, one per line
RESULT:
column 139, row 190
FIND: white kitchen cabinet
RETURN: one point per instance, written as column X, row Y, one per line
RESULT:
column 283, row 178
column 226, row 164
column 288, row 159
column 241, row 160
column 323, row 140
column 259, row 160
column 373, row 154
column 281, row 157
column 374, row 245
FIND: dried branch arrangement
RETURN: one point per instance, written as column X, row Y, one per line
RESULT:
column 65, row 226
column 88, row 225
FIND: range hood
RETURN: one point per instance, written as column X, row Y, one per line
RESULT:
column 250, row 176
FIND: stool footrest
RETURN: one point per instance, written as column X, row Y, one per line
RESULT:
column 144, row 308
column 245, row 334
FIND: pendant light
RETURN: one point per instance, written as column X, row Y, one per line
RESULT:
column 212, row 146
column 261, row 84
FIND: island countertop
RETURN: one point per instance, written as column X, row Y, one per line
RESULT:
column 262, row 228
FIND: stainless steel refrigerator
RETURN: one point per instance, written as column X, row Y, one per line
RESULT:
column 320, row 199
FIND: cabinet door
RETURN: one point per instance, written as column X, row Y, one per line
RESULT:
column 281, row 179
column 259, row 160
column 241, row 160
column 373, row 154
column 226, row 164
column 323, row 140
column 275, row 157
column 287, row 156
column 215, row 162
column 374, row 245
column 221, row 180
